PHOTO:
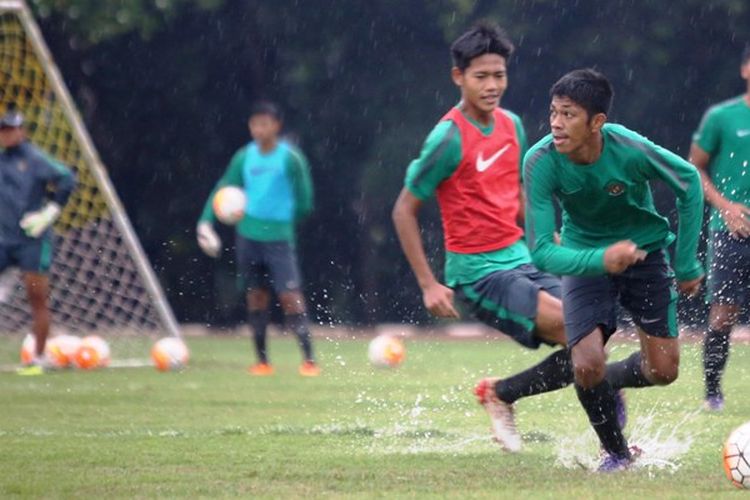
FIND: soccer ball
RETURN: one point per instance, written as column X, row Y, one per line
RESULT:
column 229, row 204
column 92, row 353
column 61, row 350
column 28, row 349
column 737, row 456
column 386, row 351
column 170, row 353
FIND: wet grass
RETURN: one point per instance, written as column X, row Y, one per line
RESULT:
column 415, row 431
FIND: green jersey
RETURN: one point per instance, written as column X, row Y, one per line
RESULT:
column 278, row 187
column 440, row 157
column 724, row 133
column 608, row 201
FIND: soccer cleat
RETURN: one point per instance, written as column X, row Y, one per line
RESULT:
column 714, row 403
column 30, row 370
column 261, row 370
column 501, row 414
column 613, row 463
column 309, row 369
column 621, row 408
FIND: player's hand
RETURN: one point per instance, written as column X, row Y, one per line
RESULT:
column 35, row 223
column 621, row 255
column 737, row 218
column 438, row 299
column 690, row 287
column 208, row 240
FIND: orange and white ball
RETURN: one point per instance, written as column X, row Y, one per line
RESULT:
column 386, row 350
column 737, row 456
column 61, row 350
column 170, row 353
column 92, row 353
column 229, row 204
column 28, row 349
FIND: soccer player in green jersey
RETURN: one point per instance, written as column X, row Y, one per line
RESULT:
column 471, row 163
column 613, row 245
column 721, row 151
column 276, row 179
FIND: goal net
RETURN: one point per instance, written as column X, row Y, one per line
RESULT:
column 101, row 281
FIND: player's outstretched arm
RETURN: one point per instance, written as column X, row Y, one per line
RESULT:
column 437, row 298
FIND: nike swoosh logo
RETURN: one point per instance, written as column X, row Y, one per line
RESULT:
column 483, row 164
column 743, row 133
column 650, row 320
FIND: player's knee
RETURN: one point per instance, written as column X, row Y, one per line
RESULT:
column 589, row 372
column 664, row 375
column 292, row 302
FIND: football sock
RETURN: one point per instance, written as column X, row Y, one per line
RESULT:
column 627, row 373
column 554, row 372
column 258, row 321
column 715, row 355
column 298, row 324
column 599, row 403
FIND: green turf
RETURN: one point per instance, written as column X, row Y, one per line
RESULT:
column 213, row 431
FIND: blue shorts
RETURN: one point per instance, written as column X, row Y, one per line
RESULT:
column 646, row 290
column 508, row 301
column 34, row 256
column 268, row 265
column 728, row 269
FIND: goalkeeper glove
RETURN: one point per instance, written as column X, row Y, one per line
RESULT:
column 35, row 223
column 208, row 240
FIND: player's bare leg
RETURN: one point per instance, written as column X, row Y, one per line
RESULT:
column 37, row 290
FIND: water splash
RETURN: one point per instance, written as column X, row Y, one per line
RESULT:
column 663, row 443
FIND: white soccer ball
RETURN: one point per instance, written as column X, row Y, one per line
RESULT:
column 386, row 351
column 737, row 456
column 170, row 353
column 229, row 204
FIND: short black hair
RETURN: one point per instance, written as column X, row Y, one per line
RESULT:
column 746, row 55
column 266, row 108
column 482, row 38
column 588, row 88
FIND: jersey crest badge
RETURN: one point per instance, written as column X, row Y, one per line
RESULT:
column 615, row 188
column 22, row 165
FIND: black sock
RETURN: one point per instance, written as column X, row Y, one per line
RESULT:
column 715, row 355
column 554, row 372
column 258, row 321
column 627, row 373
column 599, row 403
column 298, row 324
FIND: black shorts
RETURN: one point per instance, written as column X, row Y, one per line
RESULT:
column 34, row 256
column 267, row 264
column 646, row 290
column 508, row 301
column 728, row 269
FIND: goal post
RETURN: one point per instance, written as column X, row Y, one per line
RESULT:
column 101, row 280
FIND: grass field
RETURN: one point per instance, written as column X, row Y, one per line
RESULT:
column 213, row 431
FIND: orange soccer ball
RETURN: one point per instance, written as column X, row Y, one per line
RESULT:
column 92, row 353
column 170, row 353
column 61, row 350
